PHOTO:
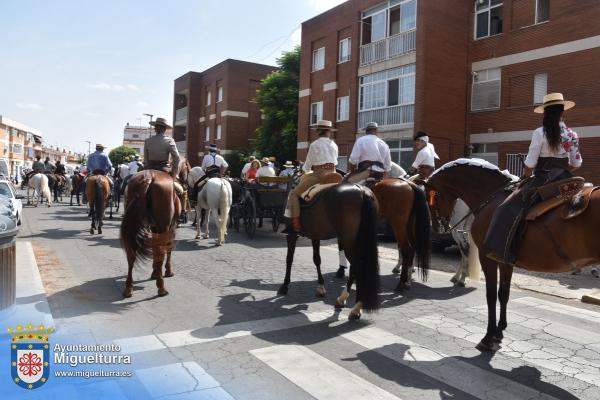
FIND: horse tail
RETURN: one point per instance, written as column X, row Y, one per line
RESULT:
column 133, row 226
column 224, row 205
column 45, row 189
column 422, row 229
column 99, row 199
column 367, row 273
column 474, row 267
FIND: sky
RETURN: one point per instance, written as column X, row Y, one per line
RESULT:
column 79, row 70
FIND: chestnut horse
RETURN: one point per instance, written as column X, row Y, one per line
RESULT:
column 347, row 212
column 76, row 187
column 149, row 224
column 98, row 195
column 567, row 244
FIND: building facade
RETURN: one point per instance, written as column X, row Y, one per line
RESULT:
column 467, row 72
column 217, row 106
column 19, row 144
column 134, row 136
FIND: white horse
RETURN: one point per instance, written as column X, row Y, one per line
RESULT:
column 460, row 222
column 39, row 184
column 216, row 195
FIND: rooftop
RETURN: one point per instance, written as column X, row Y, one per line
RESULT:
column 19, row 126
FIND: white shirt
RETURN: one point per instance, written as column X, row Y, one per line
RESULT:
column 214, row 159
column 267, row 170
column 569, row 147
column 371, row 148
column 321, row 151
column 287, row 172
column 425, row 156
column 246, row 168
column 133, row 167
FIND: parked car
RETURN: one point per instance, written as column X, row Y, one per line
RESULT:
column 7, row 191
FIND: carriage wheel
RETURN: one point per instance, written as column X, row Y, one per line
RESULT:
column 250, row 217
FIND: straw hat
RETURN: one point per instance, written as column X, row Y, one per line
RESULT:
column 552, row 99
column 371, row 125
column 160, row 122
column 288, row 164
column 98, row 146
column 323, row 124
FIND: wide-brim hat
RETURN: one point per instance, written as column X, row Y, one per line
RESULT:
column 160, row 122
column 371, row 125
column 100, row 146
column 136, row 157
column 212, row 147
column 288, row 164
column 323, row 124
column 553, row 99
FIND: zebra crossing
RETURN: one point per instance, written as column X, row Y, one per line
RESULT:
column 565, row 366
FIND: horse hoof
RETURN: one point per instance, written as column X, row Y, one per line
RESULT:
column 162, row 292
column 402, row 286
column 498, row 337
column 197, row 237
column 353, row 316
column 91, row 231
column 453, row 279
column 484, row 346
column 127, row 293
column 153, row 277
column 339, row 304
column 99, row 231
column 204, row 236
column 169, row 274
column 283, row 290
column 459, row 284
column 320, row 293
column 341, row 273
column 219, row 243
column 396, row 270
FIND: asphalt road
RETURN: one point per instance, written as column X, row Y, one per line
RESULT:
column 224, row 333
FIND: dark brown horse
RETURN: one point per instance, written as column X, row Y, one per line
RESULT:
column 76, row 187
column 149, row 225
column 566, row 244
column 347, row 212
column 98, row 196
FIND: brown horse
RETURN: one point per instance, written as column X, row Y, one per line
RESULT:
column 98, row 195
column 76, row 187
column 347, row 212
column 566, row 244
column 149, row 224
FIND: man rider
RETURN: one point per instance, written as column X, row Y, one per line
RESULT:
column 98, row 163
column 60, row 168
column 370, row 157
column 48, row 166
column 424, row 164
column 158, row 149
column 214, row 159
column 135, row 165
column 38, row 165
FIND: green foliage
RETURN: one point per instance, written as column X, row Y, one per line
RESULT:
column 236, row 160
column 278, row 99
column 118, row 154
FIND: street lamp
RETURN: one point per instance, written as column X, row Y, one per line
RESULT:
column 150, row 115
column 89, row 146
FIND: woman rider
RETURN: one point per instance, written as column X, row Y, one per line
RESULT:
column 553, row 154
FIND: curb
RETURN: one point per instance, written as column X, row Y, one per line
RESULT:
column 593, row 298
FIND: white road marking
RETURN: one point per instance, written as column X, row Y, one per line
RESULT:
column 442, row 367
column 558, row 360
column 571, row 311
column 318, row 376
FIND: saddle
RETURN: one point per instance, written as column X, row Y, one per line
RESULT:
column 572, row 194
column 312, row 193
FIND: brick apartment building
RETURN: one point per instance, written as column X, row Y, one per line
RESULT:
column 467, row 72
column 134, row 136
column 218, row 106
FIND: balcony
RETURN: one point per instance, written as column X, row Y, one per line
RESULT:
column 181, row 116
column 390, row 47
column 396, row 115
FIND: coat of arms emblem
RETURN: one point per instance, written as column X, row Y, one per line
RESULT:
column 30, row 355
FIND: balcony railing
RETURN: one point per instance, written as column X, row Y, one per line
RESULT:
column 181, row 116
column 390, row 47
column 396, row 115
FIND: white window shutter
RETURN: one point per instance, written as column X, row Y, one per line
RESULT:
column 540, row 88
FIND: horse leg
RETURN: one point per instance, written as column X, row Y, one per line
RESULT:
column 341, row 272
column 129, row 282
column 398, row 268
column 408, row 255
column 159, row 258
column 206, row 224
column 292, row 238
column 93, row 214
column 490, row 271
column 169, row 266
column 503, row 295
column 100, row 223
column 340, row 302
column 316, row 244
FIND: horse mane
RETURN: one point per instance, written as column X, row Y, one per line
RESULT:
column 476, row 162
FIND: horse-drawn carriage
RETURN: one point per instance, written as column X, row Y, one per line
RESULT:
column 264, row 199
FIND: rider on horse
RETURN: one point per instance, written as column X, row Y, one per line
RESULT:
column 553, row 154
column 60, row 169
column 213, row 164
column 321, row 160
column 157, row 151
column 370, row 158
column 48, row 166
column 424, row 164
column 38, row 165
column 99, row 164
column 135, row 165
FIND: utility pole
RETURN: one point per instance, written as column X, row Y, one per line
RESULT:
column 89, row 146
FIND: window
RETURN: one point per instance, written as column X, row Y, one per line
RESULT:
column 488, row 18
column 388, row 88
column 401, row 152
column 403, row 17
column 540, row 88
column 486, row 89
column 135, row 135
column 344, row 50
column 374, row 27
column 219, row 94
column 343, row 108
column 17, row 148
column 207, row 134
column 485, row 151
column 316, row 112
column 218, row 131
column 542, row 11
column 208, row 97
column 318, row 59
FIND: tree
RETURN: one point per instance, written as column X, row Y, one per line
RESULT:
column 118, row 154
column 236, row 160
column 278, row 99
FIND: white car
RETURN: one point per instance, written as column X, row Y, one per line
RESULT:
column 7, row 190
